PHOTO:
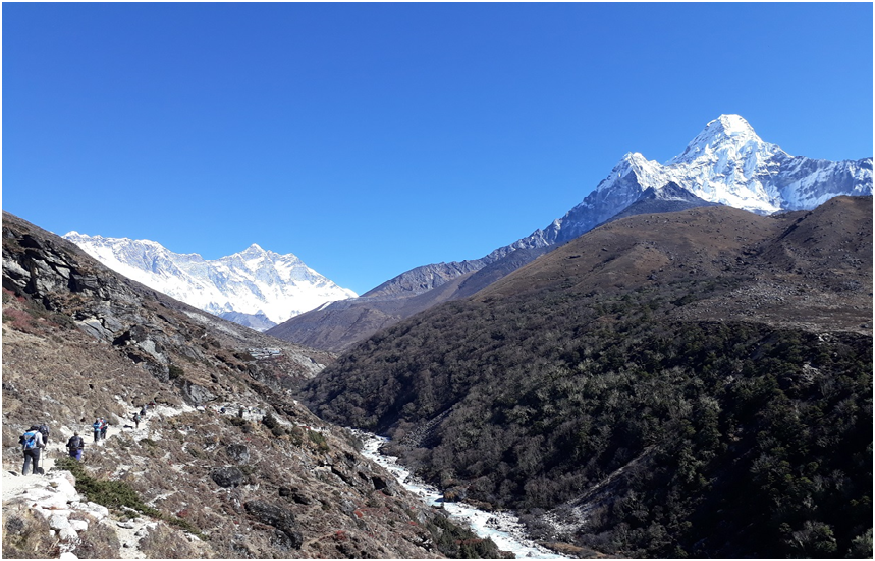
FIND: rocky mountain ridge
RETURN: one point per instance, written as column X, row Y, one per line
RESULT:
column 726, row 163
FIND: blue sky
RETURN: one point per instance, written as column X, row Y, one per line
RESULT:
column 368, row 139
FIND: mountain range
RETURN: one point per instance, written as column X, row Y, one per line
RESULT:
column 255, row 287
column 727, row 164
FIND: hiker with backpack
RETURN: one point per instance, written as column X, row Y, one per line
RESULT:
column 104, row 424
column 96, row 427
column 136, row 420
column 31, row 442
column 75, row 446
column 44, row 430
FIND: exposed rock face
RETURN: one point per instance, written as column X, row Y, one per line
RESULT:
column 81, row 342
column 422, row 279
column 197, row 394
column 239, row 453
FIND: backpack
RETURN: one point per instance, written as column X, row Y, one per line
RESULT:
column 29, row 439
column 44, row 429
column 75, row 442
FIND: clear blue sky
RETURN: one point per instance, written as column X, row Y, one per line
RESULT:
column 368, row 139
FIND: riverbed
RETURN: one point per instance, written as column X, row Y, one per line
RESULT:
column 503, row 528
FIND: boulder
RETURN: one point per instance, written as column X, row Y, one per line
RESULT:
column 58, row 522
column 295, row 495
column 239, row 453
column 287, row 535
column 197, row 393
column 386, row 486
column 94, row 328
column 227, row 476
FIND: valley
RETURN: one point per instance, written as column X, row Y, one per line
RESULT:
column 680, row 366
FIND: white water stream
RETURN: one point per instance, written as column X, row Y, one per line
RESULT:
column 503, row 528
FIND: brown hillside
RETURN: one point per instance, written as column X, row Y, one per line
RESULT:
column 80, row 341
column 806, row 268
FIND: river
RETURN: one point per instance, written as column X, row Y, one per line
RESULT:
column 501, row 527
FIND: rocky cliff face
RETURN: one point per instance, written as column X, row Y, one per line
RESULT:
column 422, row 279
column 80, row 341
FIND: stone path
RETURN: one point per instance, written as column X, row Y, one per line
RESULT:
column 54, row 496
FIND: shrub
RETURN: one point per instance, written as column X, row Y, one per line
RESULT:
column 116, row 494
column 318, row 439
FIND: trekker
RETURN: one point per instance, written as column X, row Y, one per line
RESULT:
column 136, row 419
column 96, row 427
column 31, row 442
column 44, row 430
column 103, row 426
column 143, row 411
column 75, row 446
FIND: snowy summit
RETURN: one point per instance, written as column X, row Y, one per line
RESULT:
column 255, row 287
column 727, row 163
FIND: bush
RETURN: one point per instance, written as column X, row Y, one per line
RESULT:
column 111, row 494
column 318, row 439
column 117, row 495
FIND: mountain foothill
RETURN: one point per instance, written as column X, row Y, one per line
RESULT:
column 680, row 366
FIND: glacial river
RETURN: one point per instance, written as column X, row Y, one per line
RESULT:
column 503, row 528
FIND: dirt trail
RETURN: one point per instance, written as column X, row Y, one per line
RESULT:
column 129, row 532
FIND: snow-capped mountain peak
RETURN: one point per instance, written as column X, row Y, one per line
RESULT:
column 728, row 137
column 727, row 163
column 255, row 287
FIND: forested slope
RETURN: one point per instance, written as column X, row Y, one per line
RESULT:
column 697, row 383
